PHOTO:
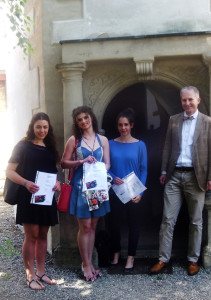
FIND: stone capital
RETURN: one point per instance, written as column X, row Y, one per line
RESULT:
column 144, row 68
column 71, row 71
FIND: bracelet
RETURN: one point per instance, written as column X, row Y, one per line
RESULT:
column 25, row 183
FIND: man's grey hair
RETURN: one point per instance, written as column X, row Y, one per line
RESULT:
column 188, row 88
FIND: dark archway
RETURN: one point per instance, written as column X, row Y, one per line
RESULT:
column 153, row 103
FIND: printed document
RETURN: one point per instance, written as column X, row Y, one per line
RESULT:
column 131, row 188
column 94, row 176
column 46, row 182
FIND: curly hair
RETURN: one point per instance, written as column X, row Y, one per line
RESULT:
column 86, row 110
column 49, row 140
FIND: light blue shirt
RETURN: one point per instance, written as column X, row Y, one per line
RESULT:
column 188, row 130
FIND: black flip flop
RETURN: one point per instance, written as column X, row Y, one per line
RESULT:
column 35, row 280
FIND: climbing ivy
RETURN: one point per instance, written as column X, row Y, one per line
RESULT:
column 20, row 23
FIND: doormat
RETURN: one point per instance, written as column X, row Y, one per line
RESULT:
column 141, row 266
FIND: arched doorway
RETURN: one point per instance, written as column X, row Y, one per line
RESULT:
column 153, row 104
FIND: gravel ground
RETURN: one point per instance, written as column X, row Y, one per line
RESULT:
column 70, row 286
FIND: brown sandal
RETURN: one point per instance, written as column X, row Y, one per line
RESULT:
column 29, row 282
column 40, row 278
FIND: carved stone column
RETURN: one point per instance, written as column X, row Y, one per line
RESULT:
column 67, row 251
column 207, row 249
column 72, row 91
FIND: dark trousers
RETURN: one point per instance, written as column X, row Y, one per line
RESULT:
column 118, row 209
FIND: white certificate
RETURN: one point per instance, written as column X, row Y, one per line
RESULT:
column 46, row 182
column 131, row 188
column 94, row 176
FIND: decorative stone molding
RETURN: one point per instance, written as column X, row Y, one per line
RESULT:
column 170, row 78
column 97, row 85
column 100, row 81
column 185, row 71
column 71, row 71
column 207, row 61
column 144, row 69
column 195, row 74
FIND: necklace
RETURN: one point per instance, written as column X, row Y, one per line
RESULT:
column 92, row 149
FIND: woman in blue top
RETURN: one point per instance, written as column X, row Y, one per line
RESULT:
column 127, row 154
column 91, row 147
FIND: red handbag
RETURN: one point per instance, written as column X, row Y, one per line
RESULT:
column 65, row 194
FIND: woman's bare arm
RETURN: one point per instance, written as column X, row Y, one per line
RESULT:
column 67, row 162
column 15, row 177
column 106, row 154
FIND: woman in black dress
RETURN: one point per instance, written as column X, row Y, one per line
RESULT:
column 36, row 152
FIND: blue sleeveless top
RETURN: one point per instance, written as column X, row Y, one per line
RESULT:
column 78, row 202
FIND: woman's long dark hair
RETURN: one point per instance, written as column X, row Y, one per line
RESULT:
column 128, row 113
column 49, row 140
column 86, row 110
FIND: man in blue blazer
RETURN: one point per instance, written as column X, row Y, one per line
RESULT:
column 186, row 173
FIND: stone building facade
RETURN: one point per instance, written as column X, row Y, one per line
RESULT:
column 110, row 55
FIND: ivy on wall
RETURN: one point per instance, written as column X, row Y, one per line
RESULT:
column 20, row 23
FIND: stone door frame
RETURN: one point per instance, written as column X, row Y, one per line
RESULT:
column 178, row 61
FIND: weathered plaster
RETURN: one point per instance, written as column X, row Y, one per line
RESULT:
column 136, row 17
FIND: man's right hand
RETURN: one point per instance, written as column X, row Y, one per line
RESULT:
column 163, row 179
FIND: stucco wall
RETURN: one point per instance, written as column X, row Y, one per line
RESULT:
column 52, row 55
column 25, row 77
column 33, row 82
column 134, row 17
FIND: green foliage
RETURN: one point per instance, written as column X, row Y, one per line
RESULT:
column 20, row 23
column 8, row 250
column 6, row 276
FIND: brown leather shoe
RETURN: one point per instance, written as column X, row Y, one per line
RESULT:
column 193, row 268
column 158, row 267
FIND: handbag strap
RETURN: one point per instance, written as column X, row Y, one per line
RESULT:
column 73, row 170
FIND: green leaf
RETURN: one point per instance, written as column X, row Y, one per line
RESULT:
column 13, row 28
column 18, row 34
column 21, row 23
column 159, row 277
